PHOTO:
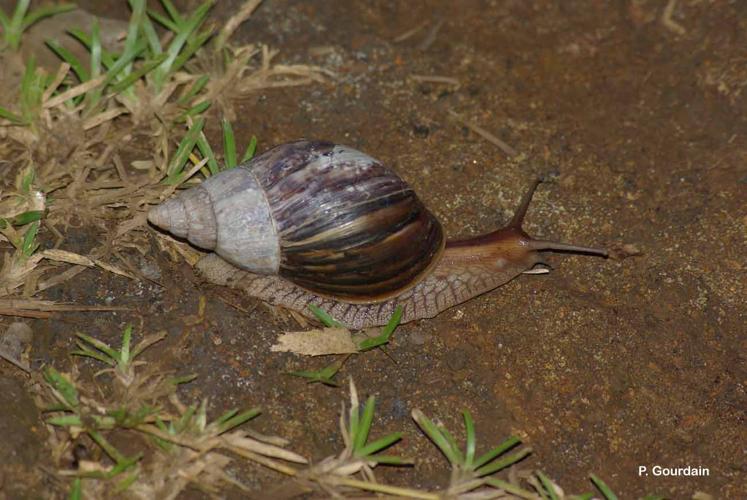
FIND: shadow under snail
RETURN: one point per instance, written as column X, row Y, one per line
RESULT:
column 312, row 222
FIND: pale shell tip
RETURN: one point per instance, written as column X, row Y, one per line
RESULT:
column 170, row 216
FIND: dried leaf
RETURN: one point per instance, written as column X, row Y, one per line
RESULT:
column 65, row 256
column 316, row 342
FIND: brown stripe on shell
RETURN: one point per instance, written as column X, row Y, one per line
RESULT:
column 348, row 226
column 369, row 271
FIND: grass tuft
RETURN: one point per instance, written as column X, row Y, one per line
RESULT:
column 182, row 445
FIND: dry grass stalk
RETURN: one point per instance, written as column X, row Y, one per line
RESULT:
column 446, row 80
column 510, row 152
column 411, row 32
column 244, row 12
column 667, row 19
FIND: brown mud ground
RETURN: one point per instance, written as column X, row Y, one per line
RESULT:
column 600, row 366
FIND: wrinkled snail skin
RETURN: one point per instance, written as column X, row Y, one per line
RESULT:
column 312, row 222
column 452, row 282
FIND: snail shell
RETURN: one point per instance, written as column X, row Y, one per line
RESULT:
column 326, row 217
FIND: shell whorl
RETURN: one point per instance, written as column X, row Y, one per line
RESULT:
column 341, row 223
column 227, row 213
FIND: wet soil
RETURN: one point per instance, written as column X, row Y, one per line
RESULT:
column 601, row 366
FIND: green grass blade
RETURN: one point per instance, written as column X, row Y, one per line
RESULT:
column 548, row 485
column 181, row 380
column 452, row 442
column 236, row 420
column 386, row 333
column 65, row 421
column 603, row 488
column 355, row 411
column 4, row 22
column 95, row 355
column 393, row 321
column 207, row 152
column 27, row 180
column 61, row 384
column 183, row 32
column 226, row 416
column 117, row 70
column 185, row 419
column 171, row 10
column 32, row 90
column 125, row 483
column 201, row 416
column 229, row 144
column 93, row 97
column 136, row 75
column 198, row 17
column 324, row 317
column 133, row 45
column 435, row 435
column 124, row 352
column 379, row 444
column 150, row 34
column 195, row 110
column 163, row 21
column 76, row 492
column 162, row 443
column 250, row 149
column 314, row 376
column 497, row 465
column 323, row 376
column 331, row 370
column 133, row 26
column 195, row 89
column 11, row 117
column 29, row 72
column 161, row 425
column 113, row 354
column 186, row 145
column 361, row 436
column 498, row 450
column 107, row 59
column 469, row 426
column 80, row 71
column 45, row 11
column 192, row 47
column 22, row 6
column 15, row 26
column 29, row 244
column 95, row 49
column 105, row 445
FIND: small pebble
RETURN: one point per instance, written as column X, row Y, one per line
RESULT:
column 418, row 338
column 16, row 339
column 150, row 269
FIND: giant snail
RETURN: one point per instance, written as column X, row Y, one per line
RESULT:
column 312, row 222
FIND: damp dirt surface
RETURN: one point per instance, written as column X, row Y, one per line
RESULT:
column 602, row 365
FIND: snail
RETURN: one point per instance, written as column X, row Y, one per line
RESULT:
column 312, row 222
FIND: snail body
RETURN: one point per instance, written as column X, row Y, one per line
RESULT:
column 311, row 222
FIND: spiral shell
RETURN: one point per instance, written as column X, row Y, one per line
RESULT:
column 328, row 218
